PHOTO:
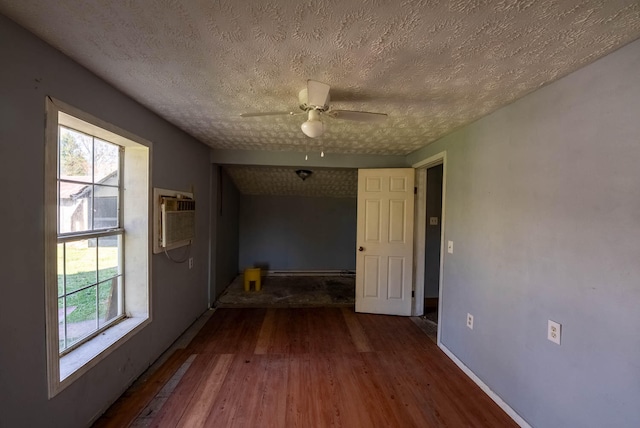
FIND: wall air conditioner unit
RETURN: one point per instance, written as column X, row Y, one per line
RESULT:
column 178, row 221
column 174, row 219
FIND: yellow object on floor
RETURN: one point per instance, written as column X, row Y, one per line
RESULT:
column 251, row 274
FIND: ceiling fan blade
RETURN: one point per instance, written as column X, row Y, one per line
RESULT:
column 360, row 116
column 267, row 113
column 317, row 93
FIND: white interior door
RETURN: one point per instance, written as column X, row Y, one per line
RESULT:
column 384, row 257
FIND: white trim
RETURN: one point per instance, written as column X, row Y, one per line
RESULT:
column 495, row 397
column 310, row 272
column 74, row 364
column 421, row 216
column 419, row 244
column 50, row 244
column 431, row 160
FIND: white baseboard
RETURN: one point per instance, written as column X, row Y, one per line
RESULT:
column 310, row 273
column 495, row 397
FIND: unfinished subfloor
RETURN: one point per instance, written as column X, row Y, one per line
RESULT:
column 291, row 292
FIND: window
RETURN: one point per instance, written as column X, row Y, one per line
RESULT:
column 90, row 236
column 96, row 239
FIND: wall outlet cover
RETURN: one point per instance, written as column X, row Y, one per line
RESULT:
column 554, row 331
column 450, row 247
column 470, row 321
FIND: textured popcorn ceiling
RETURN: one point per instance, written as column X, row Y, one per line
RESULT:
column 431, row 65
column 281, row 181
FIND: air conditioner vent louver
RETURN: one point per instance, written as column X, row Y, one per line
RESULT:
column 178, row 221
column 174, row 204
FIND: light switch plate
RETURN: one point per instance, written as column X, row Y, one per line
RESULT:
column 450, row 247
column 554, row 331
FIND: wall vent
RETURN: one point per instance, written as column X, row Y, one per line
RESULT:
column 178, row 221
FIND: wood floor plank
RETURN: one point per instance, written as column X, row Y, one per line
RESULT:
column 300, row 407
column 358, row 336
column 239, row 394
column 266, row 331
column 377, row 397
column 417, row 410
column 174, row 407
column 290, row 332
column 270, row 410
column 392, row 334
column 328, row 332
column 421, row 396
column 238, row 333
column 202, row 400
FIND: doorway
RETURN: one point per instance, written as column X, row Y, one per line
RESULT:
column 428, row 268
column 433, row 242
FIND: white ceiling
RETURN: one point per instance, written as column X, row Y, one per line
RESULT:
column 433, row 66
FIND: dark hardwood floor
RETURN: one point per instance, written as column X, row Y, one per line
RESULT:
column 314, row 367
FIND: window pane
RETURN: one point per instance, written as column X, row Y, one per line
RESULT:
column 74, row 202
column 82, row 314
column 76, row 155
column 105, row 207
column 60, row 269
column 61, row 329
column 108, row 257
column 109, row 305
column 107, row 162
column 81, row 264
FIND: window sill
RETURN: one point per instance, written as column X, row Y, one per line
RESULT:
column 81, row 359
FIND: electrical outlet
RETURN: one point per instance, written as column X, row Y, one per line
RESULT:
column 554, row 331
column 450, row 247
column 433, row 221
column 190, row 262
column 470, row 321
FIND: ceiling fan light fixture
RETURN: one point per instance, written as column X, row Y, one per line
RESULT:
column 313, row 127
column 314, row 100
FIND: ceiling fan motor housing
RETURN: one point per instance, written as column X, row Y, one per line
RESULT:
column 303, row 99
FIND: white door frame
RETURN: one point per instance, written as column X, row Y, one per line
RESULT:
column 420, row 232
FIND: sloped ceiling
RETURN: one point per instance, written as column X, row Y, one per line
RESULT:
column 433, row 66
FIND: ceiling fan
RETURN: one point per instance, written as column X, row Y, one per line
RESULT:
column 314, row 100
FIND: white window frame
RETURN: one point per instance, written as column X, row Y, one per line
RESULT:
column 62, row 370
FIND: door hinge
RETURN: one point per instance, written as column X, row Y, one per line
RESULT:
column 415, row 190
column 413, row 293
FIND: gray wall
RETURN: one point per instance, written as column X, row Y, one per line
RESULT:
column 297, row 233
column 432, row 239
column 543, row 206
column 30, row 71
column 225, row 216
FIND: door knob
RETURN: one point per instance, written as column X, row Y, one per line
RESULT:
column 360, row 248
